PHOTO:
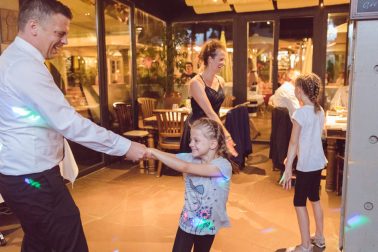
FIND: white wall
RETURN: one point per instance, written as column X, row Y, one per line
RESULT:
column 360, row 192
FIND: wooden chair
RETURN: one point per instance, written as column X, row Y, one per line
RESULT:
column 170, row 129
column 228, row 101
column 125, row 122
column 147, row 106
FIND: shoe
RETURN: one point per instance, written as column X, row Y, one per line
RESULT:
column 300, row 248
column 318, row 241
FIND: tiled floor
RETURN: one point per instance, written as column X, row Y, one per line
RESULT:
column 125, row 211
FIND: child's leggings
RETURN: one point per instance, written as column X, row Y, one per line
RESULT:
column 185, row 241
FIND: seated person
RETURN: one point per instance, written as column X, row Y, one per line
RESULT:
column 284, row 96
column 340, row 99
column 188, row 73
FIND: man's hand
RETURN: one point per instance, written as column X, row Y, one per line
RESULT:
column 136, row 152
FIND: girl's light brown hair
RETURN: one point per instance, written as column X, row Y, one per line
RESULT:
column 209, row 49
column 310, row 84
column 212, row 130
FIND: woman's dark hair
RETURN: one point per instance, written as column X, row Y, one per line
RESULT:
column 209, row 49
column 310, row 83
column 40, row 10
column 212, row 130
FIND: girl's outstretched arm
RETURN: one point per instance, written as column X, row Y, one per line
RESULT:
column 205, row 170
column 291, row 153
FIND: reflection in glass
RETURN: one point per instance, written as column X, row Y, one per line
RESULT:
column 188, row 39
column 118, row 55
column 260, row 58
column 295, row 46
column 336, row 60
column 151, row 55
column 75, row 71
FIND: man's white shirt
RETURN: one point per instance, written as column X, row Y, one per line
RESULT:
column 35, row 116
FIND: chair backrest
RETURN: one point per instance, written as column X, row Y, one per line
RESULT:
column 147, row 105
column 170, row 123
column 124, row 116
column 228, row 101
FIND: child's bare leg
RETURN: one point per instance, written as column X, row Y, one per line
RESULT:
column 318, row 214
column 304, row 225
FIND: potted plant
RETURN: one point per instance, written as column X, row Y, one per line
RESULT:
column 151, row 77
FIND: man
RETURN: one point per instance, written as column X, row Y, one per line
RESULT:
column 284, row 103
column 284, row 96
column 188, row 73
column 34, row 119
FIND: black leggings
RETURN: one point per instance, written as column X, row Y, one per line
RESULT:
column 307, row 186
column 184, row 242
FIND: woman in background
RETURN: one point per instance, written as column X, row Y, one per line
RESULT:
column 206, row 92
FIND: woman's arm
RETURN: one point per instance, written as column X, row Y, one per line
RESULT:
column 291, row 154
column 205, row 170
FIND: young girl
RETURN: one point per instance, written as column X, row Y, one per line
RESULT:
column 306, row 143
column 207, row 179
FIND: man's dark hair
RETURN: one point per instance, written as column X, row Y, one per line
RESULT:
column 40, row 10
column 189, row 63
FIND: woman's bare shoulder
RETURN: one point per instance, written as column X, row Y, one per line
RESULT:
column 196, row 81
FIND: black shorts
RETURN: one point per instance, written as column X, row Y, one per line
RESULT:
column 307, row 185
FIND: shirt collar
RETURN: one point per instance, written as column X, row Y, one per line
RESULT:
column 23, row 44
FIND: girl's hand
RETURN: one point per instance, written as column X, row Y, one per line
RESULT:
column 230, row 147
column 286, row 179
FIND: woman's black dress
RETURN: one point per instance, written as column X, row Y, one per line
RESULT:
column 216, row 99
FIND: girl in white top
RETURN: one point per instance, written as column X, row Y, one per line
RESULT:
column 306, row 144
column 207, row 181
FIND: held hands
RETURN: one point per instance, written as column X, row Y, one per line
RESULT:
column 136, row 152
column 149, row 153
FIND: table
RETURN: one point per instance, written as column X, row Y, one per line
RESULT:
column 335, row 129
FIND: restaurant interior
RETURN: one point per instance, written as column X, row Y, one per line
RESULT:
column 130, row 55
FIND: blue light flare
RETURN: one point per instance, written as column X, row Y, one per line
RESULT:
column 26, row 114
column 356, row 222
column 33, row 183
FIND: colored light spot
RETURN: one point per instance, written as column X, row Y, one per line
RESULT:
column 26, row 114
column 202, row 223
column 33, row 183
column 221, row 182
column 355, row 222
column 268, row 230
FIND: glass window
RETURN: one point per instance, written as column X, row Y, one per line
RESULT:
column 260, row 58
column 295, row 46
column 259, row 76
column 151, row 55
column 189, row 37
column 75, row 71
column 118, row 55
column 336, row 60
